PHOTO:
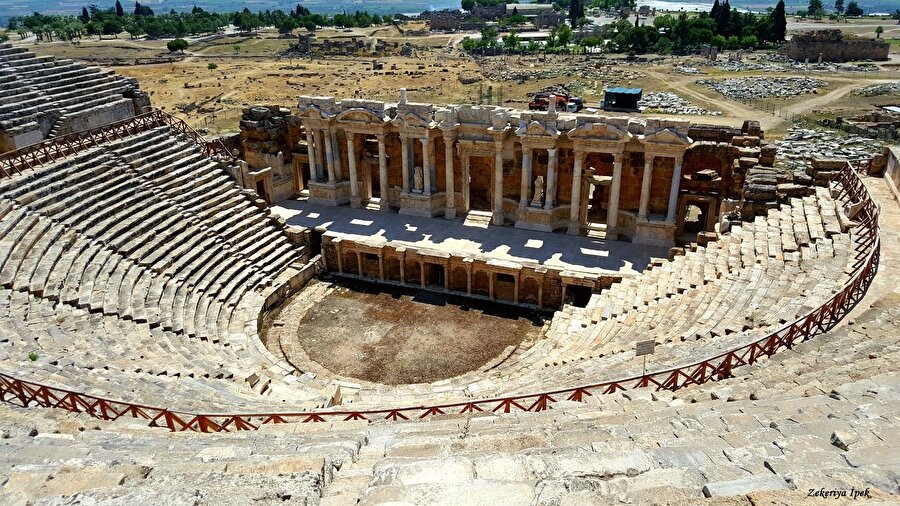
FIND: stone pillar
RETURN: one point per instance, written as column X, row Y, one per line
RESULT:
column 516, row 289
column 465, row 182
column 551, row 180
column 359, row 268
column 497, row 218
column 450, row 204
column 491, row 285
column 384, row 201
column 645, row 187
column 422, row 273
column 427, row 167
column 329, row 155
column 340, row 260
column 311, row 154
column 526, row 177
column 337, row 154
column 575, row 210
column 404, row 161
column 320, row 154
column 612, row 215
column 351, row 163
column 381, row 266
column 673, row 193
column 402, row 269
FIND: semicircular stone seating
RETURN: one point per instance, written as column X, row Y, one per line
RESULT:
column 138, row 269
column 816, row 417
column 756, row 277
column 41, row 97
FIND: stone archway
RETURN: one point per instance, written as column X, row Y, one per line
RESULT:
column 481, row 283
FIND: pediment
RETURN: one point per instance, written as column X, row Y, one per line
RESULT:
column 412, row 120
column 600, row 132
column 538, row 129
column 667, row 137
column 359, row 116
column 312, row 112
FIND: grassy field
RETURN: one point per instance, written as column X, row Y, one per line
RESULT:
column 254, row 73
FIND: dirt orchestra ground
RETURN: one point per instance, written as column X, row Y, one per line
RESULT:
column 397, row 336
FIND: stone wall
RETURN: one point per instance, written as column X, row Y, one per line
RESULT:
column 557, row 169
column 833, row 45
column 532, row 284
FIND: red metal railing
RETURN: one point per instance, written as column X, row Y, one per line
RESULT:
column 721, row 366
column 51, row 150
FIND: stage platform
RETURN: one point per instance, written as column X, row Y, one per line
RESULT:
column 474, row 237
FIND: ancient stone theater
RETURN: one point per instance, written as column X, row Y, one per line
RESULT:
column 363, row 302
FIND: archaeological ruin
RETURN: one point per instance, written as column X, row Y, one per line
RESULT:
column 832, row 45
column 364, row 302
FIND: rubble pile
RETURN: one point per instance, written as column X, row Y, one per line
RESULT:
column 798, row 148
column 687, row 70
column 743, row 66
column 498, row 70
column 761, row 87
column 814, row 66
column 879, row 89
column 670, row 103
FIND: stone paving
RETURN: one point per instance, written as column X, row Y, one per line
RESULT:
column 576, row 253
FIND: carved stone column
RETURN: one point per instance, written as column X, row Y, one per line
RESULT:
column 673, row 193
column 612, row 215
column 450, row 204
column 384, row 201
column 551, row 180
column 427, row 169
column 497, row 218
column 337, row 154
column 404, row 161
column 644, row 207
column 311, row 155
column 526, row 177
column 329, row 155
column 575, row 210
column 351, row 164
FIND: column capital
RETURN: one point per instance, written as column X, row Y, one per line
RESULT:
column 380, row 137
column 552, row 151
column 425, row 140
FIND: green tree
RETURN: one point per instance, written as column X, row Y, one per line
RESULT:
column 779, row 22
column 177, row 45
column 489, row 37
column 663, row 46
column 119, row 10
column 749, row 41
column 853, row 9
column 839, row 6
column 134, row 29
column 816, row 9
column 576, row 12
column 467, row 5
column 533, row 46
column 511, row 41
column 212, row 66
column 563, row 35
column 878, row 31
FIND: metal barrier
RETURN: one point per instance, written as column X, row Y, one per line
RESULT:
column 51, row 150
column 849, row 189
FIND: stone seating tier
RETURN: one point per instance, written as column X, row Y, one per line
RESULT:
column 149, row 233
column 43, row 97
column 818, row 416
